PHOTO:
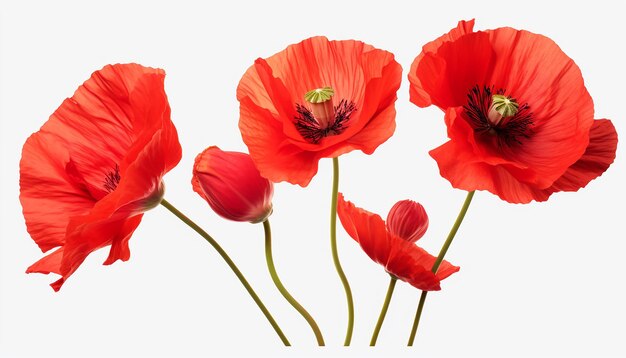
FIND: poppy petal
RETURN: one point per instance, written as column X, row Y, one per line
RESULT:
column 375, row 132
column 43, row 169
column 119, row 244
column 50, row 263
column 417, row 94
column 383, row 76
column 598, row 156
column 368, row 229
column 275, row 157
column 463, row 172
column 412, row 264
column 268, row 93
column 449, row 74
column 446, row 269
column 418, row 263
column 86, row 235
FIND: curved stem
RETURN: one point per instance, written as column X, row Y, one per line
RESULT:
column 281, row 287
column 442, row 253
column 383, row 312
column 232, row 266
column 333, row 246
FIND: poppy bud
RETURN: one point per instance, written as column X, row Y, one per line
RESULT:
column 407, row 220
column 232, row 185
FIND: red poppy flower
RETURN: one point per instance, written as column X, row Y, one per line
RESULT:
column 316, row 99
column 232, row 185
column 519, row 118
column 400, row 256
column 96, row 165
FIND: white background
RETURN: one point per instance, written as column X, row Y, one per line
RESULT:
column 539, row 279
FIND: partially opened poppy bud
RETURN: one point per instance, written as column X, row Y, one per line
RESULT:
column 407, row 220
column 390, row 247
column 232, row 185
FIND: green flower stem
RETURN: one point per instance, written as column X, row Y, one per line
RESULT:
column 418, row 314
column 442, row 253
column 281, row 287
column 333, row 246
column 383, row 312
column 232, row 266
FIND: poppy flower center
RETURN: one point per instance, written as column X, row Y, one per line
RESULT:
column 112, row 179
column 498, row 115
column 322, row 119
